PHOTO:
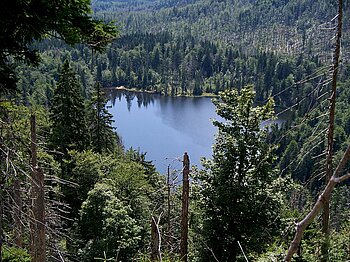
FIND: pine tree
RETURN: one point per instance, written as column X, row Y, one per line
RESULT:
column 101, row 132
column 67, row 115
column 239, row 189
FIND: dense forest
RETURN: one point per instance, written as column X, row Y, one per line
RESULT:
column 171, row 66
column 170, row 60
column 70, row 190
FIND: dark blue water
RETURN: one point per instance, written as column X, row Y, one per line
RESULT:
column 164, row 127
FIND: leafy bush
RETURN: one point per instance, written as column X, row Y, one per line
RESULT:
column 13, row 254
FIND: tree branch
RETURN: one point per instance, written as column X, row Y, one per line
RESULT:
column 324, row 196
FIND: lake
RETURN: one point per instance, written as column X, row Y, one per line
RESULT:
column 164, row 127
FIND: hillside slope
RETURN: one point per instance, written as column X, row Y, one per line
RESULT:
column 283, row 26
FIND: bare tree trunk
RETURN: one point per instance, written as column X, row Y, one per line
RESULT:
column 324, row 197
column 330, row 140
column 155, row 241
column 3, row 175
column 1, row 214
column 331, row 180
column 38, row 245
column 169, row 240
column 33, row 162
column 185, row 203
column 17, row 213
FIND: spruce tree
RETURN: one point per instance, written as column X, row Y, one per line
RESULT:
column 101, row 132
column 240, row 196
column 67, row 114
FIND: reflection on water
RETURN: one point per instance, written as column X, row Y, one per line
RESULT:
column 143, row 99
column 164, row 127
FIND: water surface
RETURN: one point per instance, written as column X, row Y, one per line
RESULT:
column 164, row 127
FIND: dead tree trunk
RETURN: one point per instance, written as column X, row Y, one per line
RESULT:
column 331, row 178
column 330, row 136
column 2, row 181
column 37, row 230
column 3, row 174
column 17, row 213
column 169, row 240
column 185, row 203
column 155, row 241
column 322, row 199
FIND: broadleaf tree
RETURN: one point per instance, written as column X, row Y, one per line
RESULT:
column 106, row 226
column 240, row 193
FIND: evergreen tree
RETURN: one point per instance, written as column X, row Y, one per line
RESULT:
column 102, row 135
column 68, row 129
column 239, row 188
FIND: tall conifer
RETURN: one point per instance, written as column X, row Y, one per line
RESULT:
column 68, row 129
column 102, row 135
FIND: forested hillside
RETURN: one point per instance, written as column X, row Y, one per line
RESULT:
column 70, row 191
column 191, row 48
column 285, row 27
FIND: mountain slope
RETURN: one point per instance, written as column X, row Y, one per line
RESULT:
column 283, row 26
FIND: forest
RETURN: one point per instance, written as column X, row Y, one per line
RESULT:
column 71, row 191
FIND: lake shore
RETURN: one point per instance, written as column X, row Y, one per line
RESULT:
column 164, row 126
column 123, row 88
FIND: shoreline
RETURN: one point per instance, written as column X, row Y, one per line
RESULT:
column 123, row 88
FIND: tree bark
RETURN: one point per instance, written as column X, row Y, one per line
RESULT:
column 169, row 212
column 155, row 241
column 185, row 203
column 324, row 197
column 4, row 164
column 1, row 215
column 37, row 243
column 17, row 213
column 330, row 137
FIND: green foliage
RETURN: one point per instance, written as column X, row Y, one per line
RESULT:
column 111, row 197
column 165, row 258
column 106, row 225
column 114, row 192
column 102, row 135
column 274, row 254
column 183, row 65
column 23, row 22
column 83, row 170
column 301, row 151
column 288, row 156
column 287, row 27
column 13, row 254
column 131, row 185
column 155, row 182
column 340, row 207
column 241, row 193
column 310, row 247
column 339, row 244
column 67, row 115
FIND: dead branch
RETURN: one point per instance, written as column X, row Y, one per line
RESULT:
column 324, row 196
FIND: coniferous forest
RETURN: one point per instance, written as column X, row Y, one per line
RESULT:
column 71, row 191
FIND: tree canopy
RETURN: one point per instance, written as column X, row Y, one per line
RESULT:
column 22, row 22
column 240, row 188
column 69, row 129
